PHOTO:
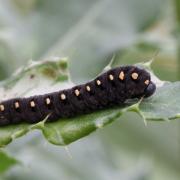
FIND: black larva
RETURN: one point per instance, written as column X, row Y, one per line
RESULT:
column 111, row 88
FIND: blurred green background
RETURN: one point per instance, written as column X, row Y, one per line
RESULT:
column 89, row 33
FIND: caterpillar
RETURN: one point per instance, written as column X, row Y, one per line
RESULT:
column 111, row 88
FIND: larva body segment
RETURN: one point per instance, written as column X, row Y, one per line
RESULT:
column 5, row 114
column 111, row 88
column 16, row 107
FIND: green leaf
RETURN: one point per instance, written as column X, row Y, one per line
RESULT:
column 164, row 105
column 6, row 162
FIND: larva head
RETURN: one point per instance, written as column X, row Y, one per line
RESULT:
column 138, row 83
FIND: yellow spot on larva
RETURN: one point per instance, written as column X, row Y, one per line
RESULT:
column 121, row 75
column 16, row 105
column 88, row 88
column 32, row 104
column 2, row 108
column 48, row 101
column 146, row 82
column 134, row 76
column 98, row 82
column 111, row 77
column 77, row 92
column 63, row 96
